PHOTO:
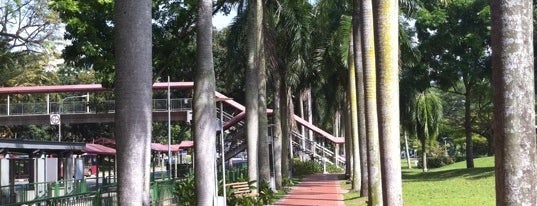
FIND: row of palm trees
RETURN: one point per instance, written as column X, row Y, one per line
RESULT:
column 375, row 37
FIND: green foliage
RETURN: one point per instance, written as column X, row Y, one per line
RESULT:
column 480, row 145
column 287, row 183
column 426, row 111
column 266, row 194
column 306, row 168
column 90, row 28
column 244, row 200
column 333, row 169
column 185, row 191
column 180, row 131
column 436, row 162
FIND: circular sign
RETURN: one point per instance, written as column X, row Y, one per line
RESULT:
column 55, row 119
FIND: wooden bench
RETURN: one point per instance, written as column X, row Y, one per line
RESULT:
column 241, row 188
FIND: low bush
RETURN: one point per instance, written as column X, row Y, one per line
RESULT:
column 306, row 168
column 436, row 162
column 185, row 191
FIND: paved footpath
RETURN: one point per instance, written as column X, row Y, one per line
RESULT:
column 322, row 190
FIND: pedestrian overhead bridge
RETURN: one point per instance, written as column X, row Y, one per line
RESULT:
column 79, row 104
column 81, row 107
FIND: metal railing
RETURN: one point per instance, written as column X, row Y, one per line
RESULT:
column 42, row 190
column 162, row 193
column 329, row 155
column 78, row 107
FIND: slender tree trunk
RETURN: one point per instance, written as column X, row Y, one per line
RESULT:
column 356, row 181
column 357, row 47
column 277, row 141
column 387, row 58
column 285, row 130
column 514, row 101
column 348, row 146
column 252, row 89
column 406, row 151
column 204, row 109
column 336, row 124
column 370, row 95
column 348, row 137
column 133, row 91
column 310, row 120
column 468, row 126
column 424, row 153
column 302, row 128
column 264, row 153
column 291, row 127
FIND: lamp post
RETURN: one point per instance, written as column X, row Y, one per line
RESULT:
column 60, row 113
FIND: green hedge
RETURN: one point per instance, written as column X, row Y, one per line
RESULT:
column 436, row 162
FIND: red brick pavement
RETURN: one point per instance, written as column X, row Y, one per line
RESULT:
column 322, row 190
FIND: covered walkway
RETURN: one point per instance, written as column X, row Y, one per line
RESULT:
column 315, row 190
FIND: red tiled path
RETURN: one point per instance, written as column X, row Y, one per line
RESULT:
column 322, row 190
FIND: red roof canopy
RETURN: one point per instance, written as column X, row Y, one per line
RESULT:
column 99, row 149
column 186, row 144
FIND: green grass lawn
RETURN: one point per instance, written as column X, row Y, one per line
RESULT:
column 449, row 185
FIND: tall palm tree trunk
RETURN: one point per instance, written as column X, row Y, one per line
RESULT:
column 423, row 142
column 357, row 47
column 286, row 131
column 348, row 145
column 264, row 153
column 133, row 92
column 252, row 89
column 204, row 109
column 370, row 96
column 356, row 175
column 348, row 136
column 277, row 132
column 514, row 102
column 387, row 46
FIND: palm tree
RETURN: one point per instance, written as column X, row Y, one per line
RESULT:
column 204, row 111
column 387, row 48
column 133, row 92
column 357, row 47
column 263, row 144
column 514, row 101
column 426, row 112
column 288, row 26
column 252, row 86
column 356, row 175
column 370, row 93
column 277, row 132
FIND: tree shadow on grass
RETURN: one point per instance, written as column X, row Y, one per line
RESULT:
column 473, row 174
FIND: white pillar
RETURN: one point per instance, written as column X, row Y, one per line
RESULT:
column 48, row 103
column 8, row 106
column 87, row 103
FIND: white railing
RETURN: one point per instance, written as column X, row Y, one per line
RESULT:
column 78, row 107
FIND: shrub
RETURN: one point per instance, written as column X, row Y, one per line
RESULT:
column 288, row 183
column 306, row 168
column 266, row 195
column 333, row 169
column 185, row 191
column 436, row 162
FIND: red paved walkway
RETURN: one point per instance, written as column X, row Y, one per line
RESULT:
column 322, row 190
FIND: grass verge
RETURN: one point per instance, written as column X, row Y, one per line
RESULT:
column 452, row 185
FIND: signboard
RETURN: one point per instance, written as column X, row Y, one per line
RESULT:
column 55, row 119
